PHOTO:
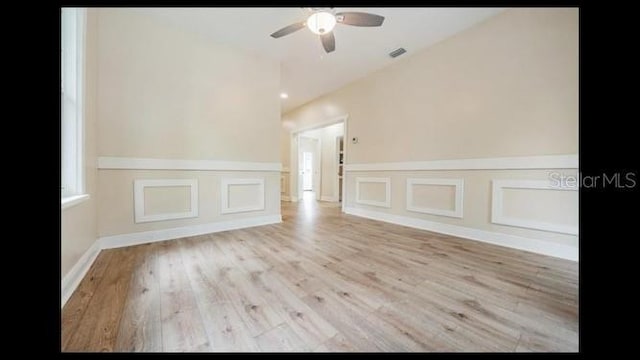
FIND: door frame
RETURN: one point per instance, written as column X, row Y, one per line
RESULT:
column 295, row 149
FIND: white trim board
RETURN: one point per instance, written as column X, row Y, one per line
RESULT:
column 224, row 195
column 328, row 198
column 511, row 241
column 71, row 281
column 459, row 196
column 285, row 198
column 497, row 202
column 120, row 163
column 502, row 163
column 116, row 241
column 138, row 199
column 385, row 180
column 72, row 201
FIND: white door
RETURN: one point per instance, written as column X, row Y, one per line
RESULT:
column 307, row 171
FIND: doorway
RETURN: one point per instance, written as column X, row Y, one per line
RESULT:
column 307, row 171
column 309, row 162
column 318, row 155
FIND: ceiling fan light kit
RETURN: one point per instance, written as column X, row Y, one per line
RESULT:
column 322, row 22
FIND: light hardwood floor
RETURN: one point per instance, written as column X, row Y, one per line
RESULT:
column 323, row 281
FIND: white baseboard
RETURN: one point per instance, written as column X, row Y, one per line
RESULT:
column 285, row 198
column 328, row 198
column 71, row 281
column 294, row 198
column 116, row 241
column 511, row 241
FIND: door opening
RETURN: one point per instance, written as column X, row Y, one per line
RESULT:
column 318, row 157
column 307, row 171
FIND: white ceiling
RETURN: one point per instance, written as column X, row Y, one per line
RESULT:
column 306, row 70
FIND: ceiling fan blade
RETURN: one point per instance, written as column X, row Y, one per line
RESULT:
column 288, row 30
column 359, row 19
column 328, row 41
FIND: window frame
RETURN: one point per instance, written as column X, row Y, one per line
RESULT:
column 72, row 180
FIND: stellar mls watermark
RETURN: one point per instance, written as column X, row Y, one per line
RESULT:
column 617, row 180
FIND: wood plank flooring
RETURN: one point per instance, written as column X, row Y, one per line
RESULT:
column 323, row 281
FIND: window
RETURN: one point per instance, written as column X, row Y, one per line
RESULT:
column 71, row 88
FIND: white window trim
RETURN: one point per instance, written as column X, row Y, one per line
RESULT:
column 80, row 192
column 71, row 201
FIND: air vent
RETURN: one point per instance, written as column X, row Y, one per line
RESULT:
column 397, row 52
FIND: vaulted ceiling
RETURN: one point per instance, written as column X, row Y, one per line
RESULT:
column 306, row 70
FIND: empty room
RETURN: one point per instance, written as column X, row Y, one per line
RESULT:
column 319, row 179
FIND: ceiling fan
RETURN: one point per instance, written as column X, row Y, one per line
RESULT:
column 321, row 21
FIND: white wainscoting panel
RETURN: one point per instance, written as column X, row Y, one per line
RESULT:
column 385, row 180
column 459, row 196
column 497, row 202
column 138, row 199
column 224, row 195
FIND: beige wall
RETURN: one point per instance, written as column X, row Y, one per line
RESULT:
column 79, row 223
column 285, row 148
column 168, row 94
column 506, row 87
column 169, row 199
column 285, row 158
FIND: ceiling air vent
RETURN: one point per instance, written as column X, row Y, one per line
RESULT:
column 397, row 52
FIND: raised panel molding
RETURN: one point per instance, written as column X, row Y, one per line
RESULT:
column 459, row 196
column 224, row 195
column 385, row 180
column 138, row 199
column 497, row 203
